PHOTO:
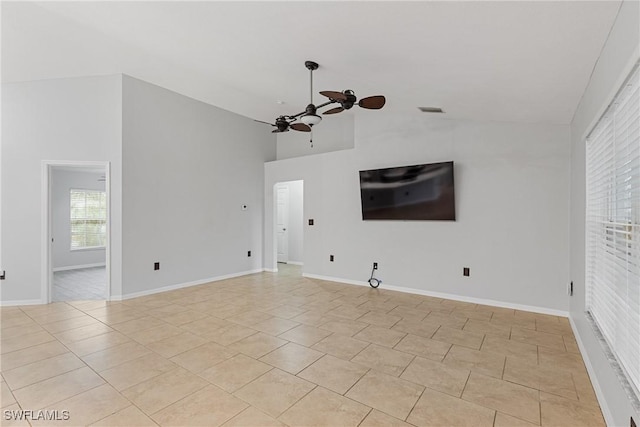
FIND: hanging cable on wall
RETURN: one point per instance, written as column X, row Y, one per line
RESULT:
column 373, row 282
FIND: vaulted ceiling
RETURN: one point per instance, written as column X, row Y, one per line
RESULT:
column 505, row 61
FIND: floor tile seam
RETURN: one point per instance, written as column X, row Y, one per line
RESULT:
column 87, row 338
column 424, row 388
column 12, row 395
column 15, row 335
column 289, row 407
column 131, row 403
column 127, row 407
column 45, row 379
column 52, row 404
column 106, row 313
column 199, row 374
column 504, row 367
column 294, row 403
column 36, row 308
column 172, row 403
column 150, row 416
column 330, row 391
column 365, row 417
column 408, row 364
column 75, row 327
column 99, row 373
column 182, row 350
column 537, row 390
column 496, row 410
column 30, row 322
column 119, row 363
column 22, row 335
column 30, row 346
column 138, row 330
column 393, row 416
column 35, row 319
column 540, row 407
column 252, row 381
column 62, row 344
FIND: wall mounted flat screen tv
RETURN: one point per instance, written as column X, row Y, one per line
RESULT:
column 419, row 192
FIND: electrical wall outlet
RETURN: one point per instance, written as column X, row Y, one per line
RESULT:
column 375, row 265
column 156, row 266
column 331, row 258
column 248, row 253
column 465, row 271
column 310, row 221
column 2, row 275
column 571, row 289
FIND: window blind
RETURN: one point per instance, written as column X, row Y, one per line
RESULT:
column 88, row 215
column 613, row 227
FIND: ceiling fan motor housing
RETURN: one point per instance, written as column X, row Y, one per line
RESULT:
column 351, row 99
column 311, row 65
column 281, row 124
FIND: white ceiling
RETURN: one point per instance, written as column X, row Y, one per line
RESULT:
column 502, row 61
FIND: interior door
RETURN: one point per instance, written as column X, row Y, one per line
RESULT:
column 282, row 222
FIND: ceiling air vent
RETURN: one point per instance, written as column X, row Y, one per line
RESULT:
column 431, row 109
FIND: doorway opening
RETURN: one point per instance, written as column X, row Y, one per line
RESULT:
column 289, row 229
column 76, row 231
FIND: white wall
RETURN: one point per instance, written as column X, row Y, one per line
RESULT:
column 62, row 119
column 188, row 168
column 63, row 181
column 512, row 192
column 618, row 56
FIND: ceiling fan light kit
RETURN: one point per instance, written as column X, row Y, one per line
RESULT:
column 309, row 117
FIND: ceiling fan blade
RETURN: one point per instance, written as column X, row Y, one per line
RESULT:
column 334, row 110
column 300, row 127
column 338, row 96
column 372, row 102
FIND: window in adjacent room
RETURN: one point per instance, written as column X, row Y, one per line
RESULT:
column 613, row 228
column 88, row 219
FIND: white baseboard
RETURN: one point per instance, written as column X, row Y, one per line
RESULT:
column 270, row 270
column 21, row 302
column 606, row 411
column 78, row 267
column 295, row 262
column 531, row 308
column 182, row 285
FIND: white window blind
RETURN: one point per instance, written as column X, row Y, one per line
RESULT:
column 88, row 216
column 613, row 227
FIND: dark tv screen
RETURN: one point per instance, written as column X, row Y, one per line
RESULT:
column 419, row 192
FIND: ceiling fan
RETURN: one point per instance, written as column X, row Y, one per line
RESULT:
column 309, row 117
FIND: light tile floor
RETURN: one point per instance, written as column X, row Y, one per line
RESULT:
column 79, row 284
column 278, row 349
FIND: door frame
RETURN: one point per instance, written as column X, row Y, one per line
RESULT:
column 47, row 223
column 275, row 222
column 282, row 186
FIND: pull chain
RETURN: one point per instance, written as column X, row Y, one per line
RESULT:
column 311, row 138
